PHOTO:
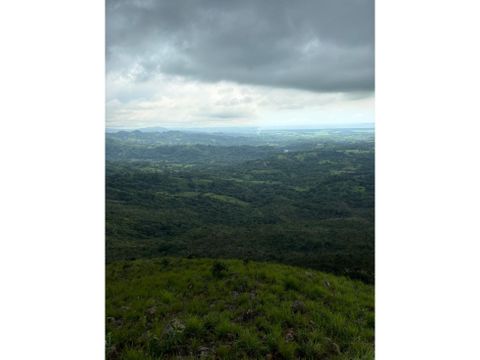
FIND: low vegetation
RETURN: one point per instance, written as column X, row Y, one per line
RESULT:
column 177, row 308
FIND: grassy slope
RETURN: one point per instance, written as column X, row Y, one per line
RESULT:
column 181, row 308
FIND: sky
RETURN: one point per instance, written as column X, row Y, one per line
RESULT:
column 220, row 63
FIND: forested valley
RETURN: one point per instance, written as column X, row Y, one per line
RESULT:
column 302, row 198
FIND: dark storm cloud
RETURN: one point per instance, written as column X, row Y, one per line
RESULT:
column 317, row 45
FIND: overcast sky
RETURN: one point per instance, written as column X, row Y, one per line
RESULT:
column 191, row 63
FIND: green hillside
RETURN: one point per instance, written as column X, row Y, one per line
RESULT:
column 174, row 308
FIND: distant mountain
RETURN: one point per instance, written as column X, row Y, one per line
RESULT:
column 145, row 130
column 240, row 130
column 222, row 130
column 153, row 129
column 322, row 126
column 114, row 130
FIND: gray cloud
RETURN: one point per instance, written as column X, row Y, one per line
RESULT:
column 315, row 45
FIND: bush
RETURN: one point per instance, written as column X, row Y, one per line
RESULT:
column 219, row 269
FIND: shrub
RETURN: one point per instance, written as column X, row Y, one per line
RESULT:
column 219, row 269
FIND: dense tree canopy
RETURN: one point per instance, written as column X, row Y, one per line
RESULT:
column 297, row 197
